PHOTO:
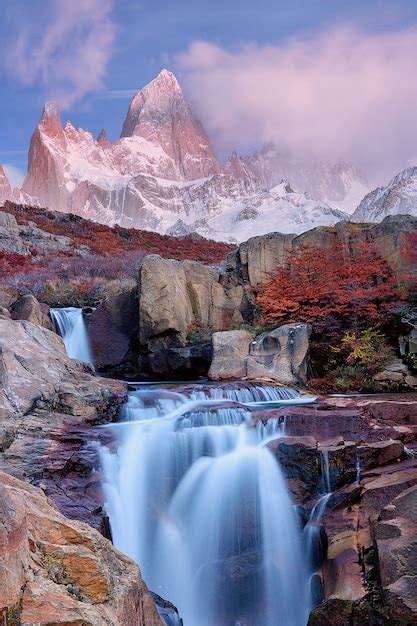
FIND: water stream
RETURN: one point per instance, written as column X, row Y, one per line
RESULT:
column 195, row 497
column 70, row 325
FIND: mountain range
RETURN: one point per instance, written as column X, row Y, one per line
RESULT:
column 163, row 175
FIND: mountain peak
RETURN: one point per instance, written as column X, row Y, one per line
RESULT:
column 50, row 109
column 50, row 122
column 168, row 78
column 160, row 114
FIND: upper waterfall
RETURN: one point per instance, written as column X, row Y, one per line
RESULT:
column 70, row 324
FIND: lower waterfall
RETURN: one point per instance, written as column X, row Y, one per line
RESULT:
column 70, row 324
column 195, row 497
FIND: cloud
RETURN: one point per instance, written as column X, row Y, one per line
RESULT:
column 67, row 52
column 14, row 174
column 338, row 94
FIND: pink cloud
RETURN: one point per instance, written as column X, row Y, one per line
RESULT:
column 340, row 94
column 70, row 55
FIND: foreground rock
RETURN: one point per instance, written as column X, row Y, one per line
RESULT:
column 280, row 355
column 47, row 403
column 57, row 571
column 366, row 568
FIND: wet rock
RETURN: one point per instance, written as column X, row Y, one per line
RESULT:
column 46, row 402
column 53, row 570
column 300, row 461
column 380, row 453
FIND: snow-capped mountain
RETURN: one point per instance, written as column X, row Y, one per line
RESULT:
column 162, row 173
column 399, row 197
column 5, row 188
column 340, row 184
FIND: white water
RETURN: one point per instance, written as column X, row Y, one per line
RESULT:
column 358, row 467
column 70, row 324
column 194, row 496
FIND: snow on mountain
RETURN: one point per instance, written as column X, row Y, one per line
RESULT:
column 162, row 173
column 279, row 209
column 399, row 197
column 5, row 188
column 340, row 184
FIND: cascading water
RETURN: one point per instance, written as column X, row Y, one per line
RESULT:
column 195, row 497
column 313, row 531
column 70, row 324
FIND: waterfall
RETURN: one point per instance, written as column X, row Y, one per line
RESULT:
column 358, row 468
column 195, row 497
column 325, row 471
column 70, row 325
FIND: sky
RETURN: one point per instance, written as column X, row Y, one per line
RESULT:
column 331, row 79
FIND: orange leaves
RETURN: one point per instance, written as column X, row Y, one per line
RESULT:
column 330, row 284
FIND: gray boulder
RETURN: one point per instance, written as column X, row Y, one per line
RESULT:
column 280, row 355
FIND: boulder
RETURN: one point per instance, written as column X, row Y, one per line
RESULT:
column 280, row 355
column 113, row 327
column 28, row 308
column 230, row 354
column 177, row 298
column 56, row 571
column 8, row 295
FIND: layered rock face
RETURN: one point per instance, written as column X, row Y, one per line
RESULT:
column 360, row 450
column 163, row 175
column 56, row 571
column 44, row 392
column 280, row 355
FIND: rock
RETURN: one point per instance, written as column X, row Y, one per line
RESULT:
column 280, row 356
column 386, row 375
column 380, row 453
column 10, row 240
column 28, row 308
column 380, row 491
column 411, row 381
column 259, row 256
column 8, row 295
column 300, row 462
column 113, row 327
column 53, row 570
column 230, row 354
column 176, row 298
column 396, row 541
column 46, row 401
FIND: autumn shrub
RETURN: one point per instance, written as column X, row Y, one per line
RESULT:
column 349, row 298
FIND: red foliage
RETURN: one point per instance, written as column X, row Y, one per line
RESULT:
column 12, row 263
column 330, row 288
column 106, row 240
